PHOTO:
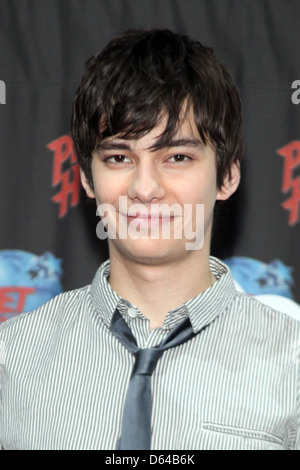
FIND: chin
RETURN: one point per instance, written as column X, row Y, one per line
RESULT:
column 151, row 252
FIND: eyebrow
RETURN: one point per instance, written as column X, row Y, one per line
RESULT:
column 116, row 145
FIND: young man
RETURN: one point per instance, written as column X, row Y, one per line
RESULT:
column 160, row 351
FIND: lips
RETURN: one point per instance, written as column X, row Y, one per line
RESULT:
column 149, row 216
column 147, row 220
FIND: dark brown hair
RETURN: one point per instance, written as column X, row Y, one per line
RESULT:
column 143, row 74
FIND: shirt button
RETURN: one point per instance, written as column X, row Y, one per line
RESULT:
column 132, row 312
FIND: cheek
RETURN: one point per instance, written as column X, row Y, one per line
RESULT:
column 207, row 186
column 199, row 190
column 107, row 190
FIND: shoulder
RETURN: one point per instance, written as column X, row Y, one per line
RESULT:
column 41, row 321
column 261, row 315
column 270, row 311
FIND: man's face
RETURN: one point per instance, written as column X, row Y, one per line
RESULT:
column 181, row 176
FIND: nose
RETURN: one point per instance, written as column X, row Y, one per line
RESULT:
column 146, row 185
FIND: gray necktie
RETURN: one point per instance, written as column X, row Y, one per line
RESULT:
column 136, row 424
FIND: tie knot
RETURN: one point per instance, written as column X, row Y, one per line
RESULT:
column 145, row 361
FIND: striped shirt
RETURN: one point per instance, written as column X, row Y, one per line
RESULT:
column 235, row 385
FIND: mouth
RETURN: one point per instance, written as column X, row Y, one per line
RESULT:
column 148, row 219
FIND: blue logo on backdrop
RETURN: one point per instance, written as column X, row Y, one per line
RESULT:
column 27, row 281
column 257, row 278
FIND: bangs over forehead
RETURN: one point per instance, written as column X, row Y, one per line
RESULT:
column 170, row 125
column 144, row 75
column 156, row 76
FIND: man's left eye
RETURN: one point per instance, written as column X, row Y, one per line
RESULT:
column 178, row 158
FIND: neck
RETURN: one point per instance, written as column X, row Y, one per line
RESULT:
column 157, row 289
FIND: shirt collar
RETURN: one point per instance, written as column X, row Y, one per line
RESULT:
column 214, row 301
column 104, row 298
column 202, row 309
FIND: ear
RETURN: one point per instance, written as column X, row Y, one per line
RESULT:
column 230, row 184
column 89, row 191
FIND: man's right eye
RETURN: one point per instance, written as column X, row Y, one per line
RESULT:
column 117, row 159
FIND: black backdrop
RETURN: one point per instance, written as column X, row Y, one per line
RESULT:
column 44, row 214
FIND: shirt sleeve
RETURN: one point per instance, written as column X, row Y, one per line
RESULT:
column 297, row 440
column 1, row 374
column 2, row 365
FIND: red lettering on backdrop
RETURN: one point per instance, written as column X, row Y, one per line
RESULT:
column 69, row 179
column 12, row 299
column 290, row 182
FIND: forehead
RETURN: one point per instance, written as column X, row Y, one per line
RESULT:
column 185, row 133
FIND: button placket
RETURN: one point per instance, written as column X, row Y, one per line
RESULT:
column 132, row 312
column 156, row 337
